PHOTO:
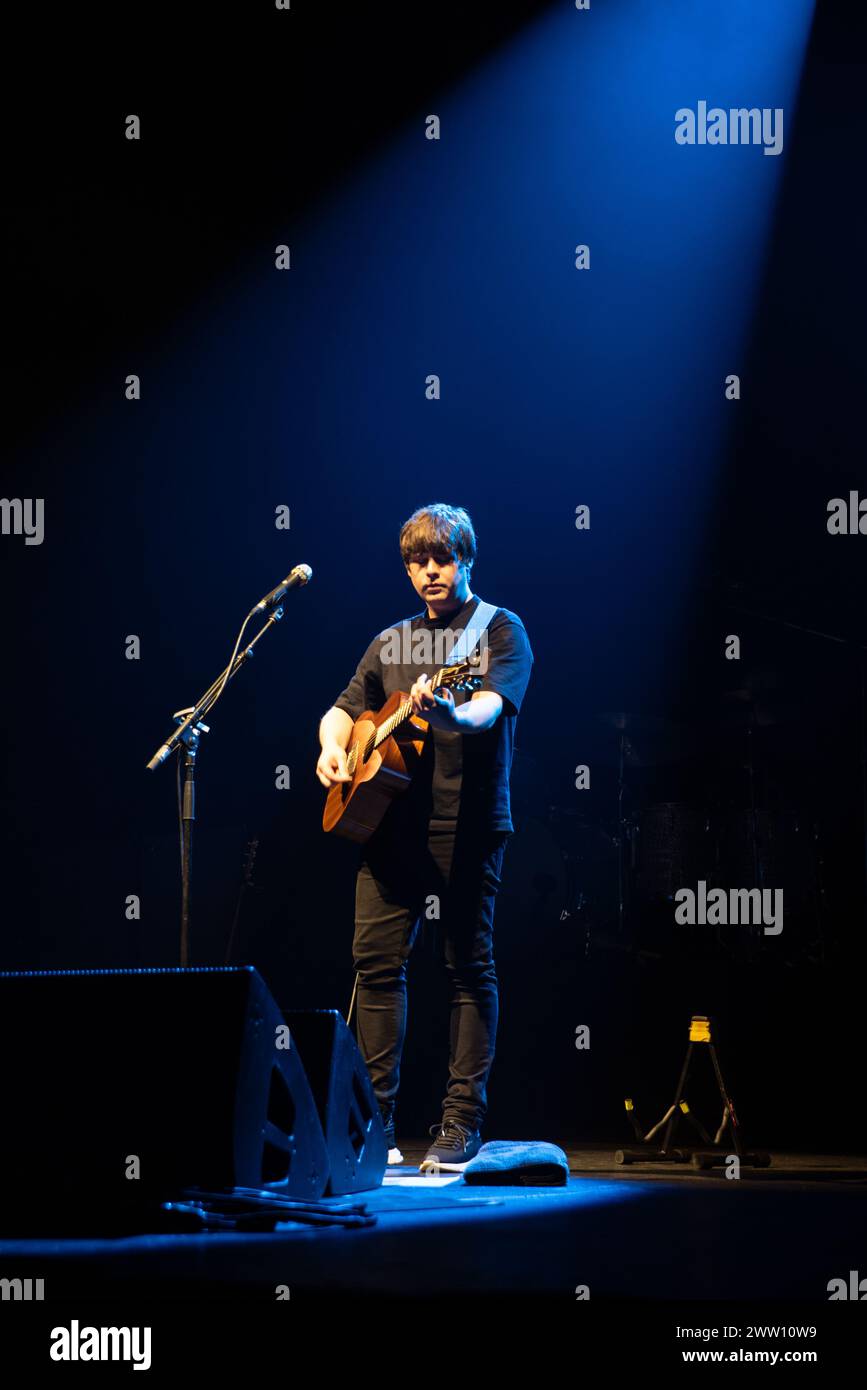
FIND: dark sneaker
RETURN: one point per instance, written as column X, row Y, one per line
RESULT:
column 394, row 1153
column 451, row 1151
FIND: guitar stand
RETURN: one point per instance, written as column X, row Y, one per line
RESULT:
column 712, row 1154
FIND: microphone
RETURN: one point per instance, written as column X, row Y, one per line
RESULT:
column 302, row 574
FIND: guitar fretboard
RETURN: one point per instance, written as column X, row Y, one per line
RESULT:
column 400, row 714
column 385, row 730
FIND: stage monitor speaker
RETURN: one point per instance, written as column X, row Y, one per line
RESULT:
column 342, row 1090
column 128, row 1085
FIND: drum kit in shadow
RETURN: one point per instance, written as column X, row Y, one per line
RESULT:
column 683, row 804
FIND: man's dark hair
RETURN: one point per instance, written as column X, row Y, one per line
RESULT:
column 438, row 528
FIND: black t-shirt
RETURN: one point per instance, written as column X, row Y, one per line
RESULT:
column 460, row 775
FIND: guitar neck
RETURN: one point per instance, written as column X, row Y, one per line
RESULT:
column 402, row 713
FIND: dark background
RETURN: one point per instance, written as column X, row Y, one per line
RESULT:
column 157, row 258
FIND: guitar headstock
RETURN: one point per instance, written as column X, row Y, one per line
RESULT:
column 461, row 676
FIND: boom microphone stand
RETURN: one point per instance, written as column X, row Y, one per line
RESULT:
column 185, row 738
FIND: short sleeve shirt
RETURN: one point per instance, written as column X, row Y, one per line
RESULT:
column 460, row 775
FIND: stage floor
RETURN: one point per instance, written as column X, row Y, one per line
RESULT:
column 661, row 1232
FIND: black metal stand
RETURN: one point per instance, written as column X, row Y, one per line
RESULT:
column 185, row 741
column 712, row 1154
column 188, row 815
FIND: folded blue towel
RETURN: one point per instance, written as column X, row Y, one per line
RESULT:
column 516, row 1163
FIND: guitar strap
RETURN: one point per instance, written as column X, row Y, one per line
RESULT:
column 471, row 635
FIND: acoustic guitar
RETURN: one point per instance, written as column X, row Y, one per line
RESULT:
column 382, row 755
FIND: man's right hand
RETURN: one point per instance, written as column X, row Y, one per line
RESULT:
column 331, row 767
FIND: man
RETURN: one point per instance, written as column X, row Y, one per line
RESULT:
column 445, row 835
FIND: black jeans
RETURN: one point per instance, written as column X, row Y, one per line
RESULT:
column 397, row 875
